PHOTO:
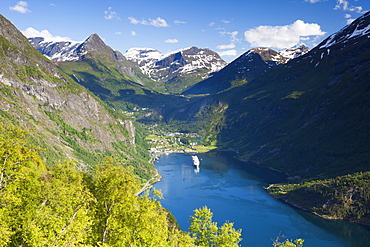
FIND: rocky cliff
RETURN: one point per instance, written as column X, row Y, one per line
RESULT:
column 61, row 115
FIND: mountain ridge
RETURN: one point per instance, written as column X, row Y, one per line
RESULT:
column 64, row 118
column 246, row 67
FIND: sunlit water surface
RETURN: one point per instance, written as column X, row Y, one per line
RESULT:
column 234, row 192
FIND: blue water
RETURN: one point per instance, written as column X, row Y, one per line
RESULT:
column 233, row 190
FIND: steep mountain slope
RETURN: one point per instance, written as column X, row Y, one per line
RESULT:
column 62, row 116
column 176, row 70
column 309, row 117
column 59, row 51
column 166, row 72
column 56, row 50
column 245, row 68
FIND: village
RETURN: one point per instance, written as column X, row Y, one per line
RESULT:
column 165, row 143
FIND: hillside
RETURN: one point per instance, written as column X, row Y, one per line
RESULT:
column 169, row 72
column 64, row 118
column 245, row 68
column 309, row 117
column 345, row 197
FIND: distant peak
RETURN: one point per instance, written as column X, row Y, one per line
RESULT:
column 94, row 37
column 299, row 45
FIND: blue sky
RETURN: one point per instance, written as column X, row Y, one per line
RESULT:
column 229, row 27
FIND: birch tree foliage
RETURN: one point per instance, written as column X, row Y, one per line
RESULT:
column 62, row 216
column 20, row 169
column 207, row 233
column 124, row 219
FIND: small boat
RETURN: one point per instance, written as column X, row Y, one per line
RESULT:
column 196, row 161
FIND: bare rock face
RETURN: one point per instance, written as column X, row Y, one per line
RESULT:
column 40, row 98
column 129, row 125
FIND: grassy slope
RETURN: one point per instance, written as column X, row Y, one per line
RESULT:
column 346, row 197
column 304, row 119
column 65, row 119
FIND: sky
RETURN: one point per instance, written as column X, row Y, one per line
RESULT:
column 229, row 27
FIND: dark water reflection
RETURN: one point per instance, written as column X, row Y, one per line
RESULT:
column 234, row 191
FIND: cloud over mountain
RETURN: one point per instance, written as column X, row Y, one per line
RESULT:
column 282, row 36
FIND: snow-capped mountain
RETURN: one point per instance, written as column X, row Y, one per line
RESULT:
column 56, row 50
column 60, row 50
column 359, row 28
column 295, row 51
column 282, row 56
column 166, row 66
column 247, row 67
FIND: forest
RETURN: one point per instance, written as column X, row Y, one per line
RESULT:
column 67, row 205
column 345, row 197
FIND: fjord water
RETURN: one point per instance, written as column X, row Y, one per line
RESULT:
column 234, row 192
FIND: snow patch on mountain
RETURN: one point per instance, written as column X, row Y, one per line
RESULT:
column 295, row 51
column 358, row 28
column 56, row 49
column 282, row 56
column 164, row 66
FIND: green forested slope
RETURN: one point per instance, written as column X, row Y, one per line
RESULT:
column 64, row 206
column 63, row 117
column 346, row 197
column 309, row 117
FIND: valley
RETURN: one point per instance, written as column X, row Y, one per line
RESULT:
column 303, row 112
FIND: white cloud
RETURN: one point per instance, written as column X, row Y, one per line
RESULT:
column 157, row 22
column 111, row 15
column 227, row 53
column 179, row 22
column 135, row 21
column 21, row 7
column 133, row 33
column 225, row 47
column 171, row 41
column 226, row 22
column 31, row 32
column 312, row 1
column 349, row 21
column 282, row 36
column 118, row 33
column 233, row 40
column 344, row 5
column 211, row 24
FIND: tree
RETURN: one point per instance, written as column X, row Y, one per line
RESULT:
column 206, row 233
column 62, row 216
column 20, row 187
column 123, row 219
column 287, row 243
column 39, row 207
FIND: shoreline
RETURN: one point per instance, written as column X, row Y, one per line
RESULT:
column 316, row 214
column 159, row 177
column 149, row 184
column 155, row 154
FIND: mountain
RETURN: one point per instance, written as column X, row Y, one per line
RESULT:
column 293, row 52
column 59, row 51
column 62, row 117
column 247, row 67
column 166, row 72
column 309, row 117
column 179, row 69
